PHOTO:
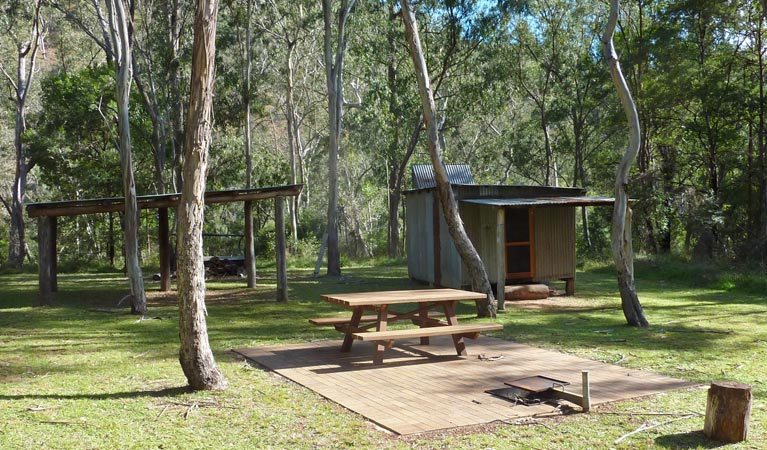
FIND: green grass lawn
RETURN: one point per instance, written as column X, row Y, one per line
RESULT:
column 86, row 374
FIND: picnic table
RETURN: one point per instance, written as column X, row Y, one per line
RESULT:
column 434, row 313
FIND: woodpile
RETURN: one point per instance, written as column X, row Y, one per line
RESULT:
column 221, row 267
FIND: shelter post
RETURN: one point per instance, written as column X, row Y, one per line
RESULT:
column 46, row 254
column 53, row 225
column 500, row 257
column 164, row 243
column 279, row 250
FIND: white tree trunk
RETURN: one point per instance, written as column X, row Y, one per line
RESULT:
column 461, row 240
column 334, row 69
column 196, row 356
column 118, row 20
column 622, row 248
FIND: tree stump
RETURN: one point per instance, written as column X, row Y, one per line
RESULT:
column 728, row 410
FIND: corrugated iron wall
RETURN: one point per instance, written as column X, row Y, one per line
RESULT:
column 554, row 243
column 480, row 224
column 420, row 238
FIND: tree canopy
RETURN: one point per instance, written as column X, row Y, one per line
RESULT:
column 521, row 95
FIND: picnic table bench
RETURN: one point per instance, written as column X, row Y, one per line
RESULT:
column 434, row 314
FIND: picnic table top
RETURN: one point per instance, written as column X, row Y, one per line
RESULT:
column 406, row 296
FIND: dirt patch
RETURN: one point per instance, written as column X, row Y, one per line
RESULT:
column 560, row 303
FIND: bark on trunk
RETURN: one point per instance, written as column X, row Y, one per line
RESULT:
column 118, row 20
column 622, row 249
column 250, row 249
column 293, row 136
column 27, row 54
column 449, row 205
column 334, row 68
column 196, row 356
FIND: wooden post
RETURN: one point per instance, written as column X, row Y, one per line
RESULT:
column 250, row 253
column 585, row 391
column 728, row 411
column 163, row 239
column 500, row 258
column 54, row 229
column 44, row 261
column 279, row 250
column 570, row 286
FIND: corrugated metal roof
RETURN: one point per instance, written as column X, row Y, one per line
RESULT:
column 423, row 175
column 543, row 201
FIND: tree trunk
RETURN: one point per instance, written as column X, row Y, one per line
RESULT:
column 118, row 21
column 176, row 107
column 293, row 137
column 622, row 249
column 334, row 68
column 461, row 240
column 250, row 250
column 196, row 356
column 728, row 411
column 27, row 53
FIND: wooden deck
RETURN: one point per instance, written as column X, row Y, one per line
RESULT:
column 427, row 388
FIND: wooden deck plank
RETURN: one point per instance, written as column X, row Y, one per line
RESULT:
column 404, row 396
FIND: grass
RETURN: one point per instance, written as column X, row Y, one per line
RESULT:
column 84, row 374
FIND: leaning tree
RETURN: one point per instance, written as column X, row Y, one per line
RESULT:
column 622, row 249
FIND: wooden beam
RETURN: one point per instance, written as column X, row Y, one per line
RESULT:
column 117, row 204
column 279, row 250
column 163, row 238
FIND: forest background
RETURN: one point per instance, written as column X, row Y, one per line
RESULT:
column 522, row 88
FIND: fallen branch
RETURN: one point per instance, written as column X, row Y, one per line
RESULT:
column 42, row 408
column 703, row 330
column 641, row 413
column 646, row 427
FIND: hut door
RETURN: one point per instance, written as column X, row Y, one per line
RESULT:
column 520, row 253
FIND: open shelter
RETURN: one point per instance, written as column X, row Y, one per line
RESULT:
column 48, row 212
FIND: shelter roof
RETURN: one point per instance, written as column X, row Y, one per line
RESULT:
column 543, row 201
column 117, row 204
column 423, row 175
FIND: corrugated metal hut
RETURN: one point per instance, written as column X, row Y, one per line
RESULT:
column 522, row 233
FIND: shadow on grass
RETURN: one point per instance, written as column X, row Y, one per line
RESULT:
column 166, row 392
column 691, row 439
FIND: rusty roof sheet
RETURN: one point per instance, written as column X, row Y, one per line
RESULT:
column 543, row 201
column 423, row 175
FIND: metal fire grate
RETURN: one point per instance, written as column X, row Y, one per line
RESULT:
column 530, row 390
column 537, row 383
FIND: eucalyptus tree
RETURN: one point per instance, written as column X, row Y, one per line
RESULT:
column 697, row 56
column 292, row 28
column 334, row 53
column 465, row 248
column 539, row 43
column 622, row 248
column 29, row 43
column 118, row 26
column 196, row 356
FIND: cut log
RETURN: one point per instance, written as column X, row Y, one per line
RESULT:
column 728, row 410
column 527, row 292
